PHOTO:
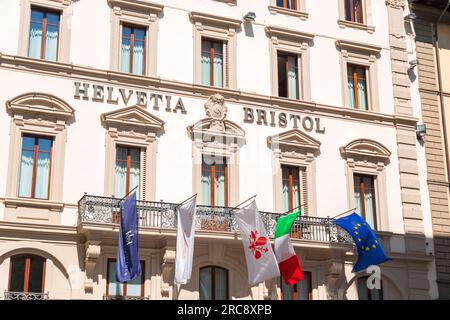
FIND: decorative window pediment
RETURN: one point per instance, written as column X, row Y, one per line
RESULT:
column 216, row 128
column 366, row 149
column 134, row 117
column 39, row 103
column 294, row 141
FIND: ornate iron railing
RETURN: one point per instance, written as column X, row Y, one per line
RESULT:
column 10, row 295
column 161, row 215
column 108, row 297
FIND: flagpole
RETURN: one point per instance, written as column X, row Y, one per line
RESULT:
column 300, row 206
column 343, row 213
column 186, row 200
column 232, row 209
column 129, row 193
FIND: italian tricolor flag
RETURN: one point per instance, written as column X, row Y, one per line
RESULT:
column 287, row 259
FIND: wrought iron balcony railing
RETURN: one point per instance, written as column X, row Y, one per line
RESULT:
column 109, row 297
column 10, row 295
column 161, row 215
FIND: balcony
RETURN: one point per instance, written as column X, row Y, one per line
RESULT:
column 98, row 210
column 109, row 297
column 10, row 295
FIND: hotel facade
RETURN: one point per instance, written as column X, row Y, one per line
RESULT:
column 309, row 104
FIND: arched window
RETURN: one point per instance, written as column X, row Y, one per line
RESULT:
column 213, row 283
column 27, row 274
column 364, row 293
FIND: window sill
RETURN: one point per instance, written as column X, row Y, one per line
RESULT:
column 33, row 203
column 275, row 10
column 229, row 2
column 356, row 25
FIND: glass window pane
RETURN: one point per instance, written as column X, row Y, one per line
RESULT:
column 114, row 288
column 44, row 144
column 206, row 63
column 292, row 77
column 51, row 42
column 125, row 50
column 221, row 282
column 36, row 272
column 219, row 185
column 120, row 181
column 205, row 284
column 206, row 183
column 287, row 290
column 134, row 287
column 35, row 36
column 26, row 173
column 17, row 274
column 135, row 171
column 362, row 289
column 218, row 64
column 304, row 287
column 369, row 201
column 138, row 51
column 42, row 175
column 357, row 193
column 282, row 76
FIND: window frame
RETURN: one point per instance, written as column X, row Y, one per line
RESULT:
column 128, row 163
column 212, row 172
column 35, row 158
column 355, row 68
column 299, row 11
column 300, row 187
column 286, row 56
column 45, row 11
column 27, row 271
column 133, row 27
column 212, row 56
column 365, row 25
column 362, row 190
column 64, row 9
column 112, row 260
column 361, row 18
column 213, row 282
column 310, row 289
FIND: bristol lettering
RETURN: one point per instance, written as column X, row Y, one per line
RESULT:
column 282, row 120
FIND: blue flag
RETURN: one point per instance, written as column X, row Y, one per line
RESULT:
column 369, row 247
column 128, row 264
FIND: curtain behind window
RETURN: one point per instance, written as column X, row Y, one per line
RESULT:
column 221, row 284
column 138, row 51
column 51, row 37
column 219, row 185
column 218, row 64
column 288, row 291
column 206, row 63
column 35, row 40
column 292, row 77
column 368, row 201
column 26, row 167
column 362, row 98
column 205, row 283
column 114, row 288
column 125, row 50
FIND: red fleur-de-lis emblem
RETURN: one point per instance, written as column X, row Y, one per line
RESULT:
column 257, row 244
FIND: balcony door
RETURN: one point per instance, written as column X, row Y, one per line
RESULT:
column 27, row 274
column 215, row 181
column 127, row 171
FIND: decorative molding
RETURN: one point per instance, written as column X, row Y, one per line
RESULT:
column 14, row 202
column 39, row 103
column 396, row 4
column 361, row 26
column 142, row 6
column 133, row 117
column 296, row 140
column 199, row 19
column 167, row 268
column 279, row 32
column 279, row 10
column 333, row 274
column 358, row 46
column 93, row 250
column 367, row 149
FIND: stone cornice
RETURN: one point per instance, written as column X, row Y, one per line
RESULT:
column 138, row 4
column 358, row 46
column 71, row 71
column 279, row 32
column 209, row 19
column 29, row 230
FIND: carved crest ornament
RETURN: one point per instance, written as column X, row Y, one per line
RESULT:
column 216, row 109
column 397, row 4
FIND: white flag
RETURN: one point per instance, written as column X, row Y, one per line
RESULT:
column 185, row 241
column 261, row 262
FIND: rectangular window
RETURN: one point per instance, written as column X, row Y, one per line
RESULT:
column 291, row 187
column 288, row 4
column 364, row 293
column 35, row 167
column 288, row 76
column 364, row 189
column 128, row 171
column 27, row 274
column 212, row 62
column 357, row 86
column 44, row 33
column 302, row 290
column 354, row 11
column 133, row 53
column 134, row 288
column 215, row 181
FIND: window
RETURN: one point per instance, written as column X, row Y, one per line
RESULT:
column 133, row 50
column 357, row 86
column 365, row 198
column 44, row 33
column 212, row 63
column 128, row 171
column 354, row 11
column 118, row 290
column 288, row 76
column 302, row 290
column 213, row 283
column 291, row 187
column 215, row 181
column 288, row 4
column 35, row 167
column 27, row 274
column 364, row 293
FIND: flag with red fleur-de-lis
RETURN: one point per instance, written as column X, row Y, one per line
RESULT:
column 261, row 261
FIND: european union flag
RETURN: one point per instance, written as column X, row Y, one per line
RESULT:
column 369, row 247
column 128, row 264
